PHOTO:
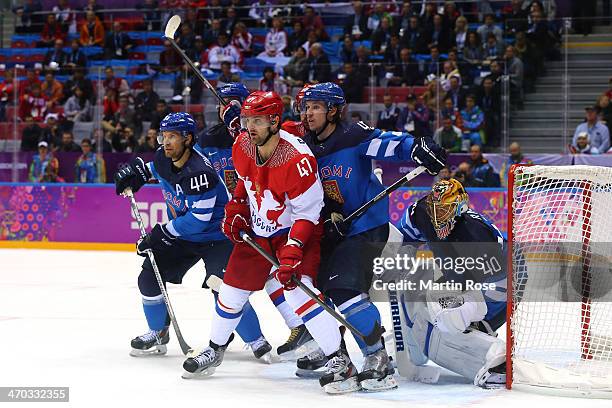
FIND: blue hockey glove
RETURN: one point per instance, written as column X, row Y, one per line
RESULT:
column 429, row 154
column 158, row 240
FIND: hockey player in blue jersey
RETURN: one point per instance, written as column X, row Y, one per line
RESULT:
column 216, row 145
column 195, row 199
column 344, row 155
column 456, row 328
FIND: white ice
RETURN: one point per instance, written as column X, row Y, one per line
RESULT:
column 67, row 318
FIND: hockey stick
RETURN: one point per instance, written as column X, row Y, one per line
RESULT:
column 370, row 339
column 171, row 27
column 143, row 232
column 361, row 210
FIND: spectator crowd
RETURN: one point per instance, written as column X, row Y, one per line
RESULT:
column 452, row 58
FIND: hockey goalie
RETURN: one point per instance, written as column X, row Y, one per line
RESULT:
column 452, row 315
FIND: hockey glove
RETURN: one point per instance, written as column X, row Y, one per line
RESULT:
column 236, row 220
column 290, row 260
column 133, row 175
column 158, row 240
column 231, row 117
column 428, row 154
column 336, row 228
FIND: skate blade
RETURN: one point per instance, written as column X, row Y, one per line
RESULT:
column 287, row 356
column 494, row 382
column 299, row 352
column 306, row 349
column 376, row 385
column 270, row 358
column 342, row 387
column 158, row 350
column 303, row 373
column 201, row 374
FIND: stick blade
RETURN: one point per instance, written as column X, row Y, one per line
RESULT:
column 172, row 26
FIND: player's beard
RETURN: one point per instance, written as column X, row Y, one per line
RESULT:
column 261, row 136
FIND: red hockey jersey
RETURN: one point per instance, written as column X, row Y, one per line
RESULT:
column 294, row 127
column 283, row 190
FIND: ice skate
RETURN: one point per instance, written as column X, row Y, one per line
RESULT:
column 151, row 343
column 312, row 365
column 377, row 372
column 299, row 343
column 205, row 363
column 262, row 350
column 340, row 374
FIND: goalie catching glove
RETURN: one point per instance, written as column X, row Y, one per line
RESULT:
column 158, row 240
column 133, row 175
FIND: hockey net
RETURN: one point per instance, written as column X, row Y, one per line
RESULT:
column 560, row 279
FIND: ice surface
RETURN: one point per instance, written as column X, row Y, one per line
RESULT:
column 67, row 318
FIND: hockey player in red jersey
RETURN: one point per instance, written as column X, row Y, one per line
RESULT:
column 278, row 200
column 298, row 127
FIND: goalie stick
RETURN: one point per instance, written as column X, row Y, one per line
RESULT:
column 369, row 339
column 173, row 24
column 143, row 232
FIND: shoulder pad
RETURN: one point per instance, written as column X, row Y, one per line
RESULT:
column 198, row 175
column 216, row 136
column 353, row 134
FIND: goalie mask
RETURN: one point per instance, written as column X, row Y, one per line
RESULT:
column 447, row 200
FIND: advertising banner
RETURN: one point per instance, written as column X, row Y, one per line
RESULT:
column 94, row 214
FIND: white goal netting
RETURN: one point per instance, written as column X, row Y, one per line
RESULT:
column 561, row 295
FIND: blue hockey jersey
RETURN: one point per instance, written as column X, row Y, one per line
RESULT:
column 345, row 167
column 195, row 197
column 216, row 145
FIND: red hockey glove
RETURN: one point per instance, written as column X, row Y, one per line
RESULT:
column 236, row 220
column 290, row 260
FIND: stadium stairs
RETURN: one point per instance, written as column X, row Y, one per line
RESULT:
column 539, row 126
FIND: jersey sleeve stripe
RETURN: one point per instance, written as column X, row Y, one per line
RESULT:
column 203, row 217
column 373, row 147
column 209, row 203
column 171, row 229
column 390, row 151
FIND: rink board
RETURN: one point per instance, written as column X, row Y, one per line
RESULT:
column 93, row 217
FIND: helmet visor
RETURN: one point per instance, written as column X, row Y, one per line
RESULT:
column 168, row 135
column 256, row 122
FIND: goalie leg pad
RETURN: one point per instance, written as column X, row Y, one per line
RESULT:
column 469, row 354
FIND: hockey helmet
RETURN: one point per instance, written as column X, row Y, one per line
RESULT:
column 262, row 103
column 233, row 90
column 327, row 92
column 447, row 200
column 181, row 122
column 297, row 105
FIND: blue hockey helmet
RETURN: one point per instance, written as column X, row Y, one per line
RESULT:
column 233, row 90
column 328, row 92
column 181, row 122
